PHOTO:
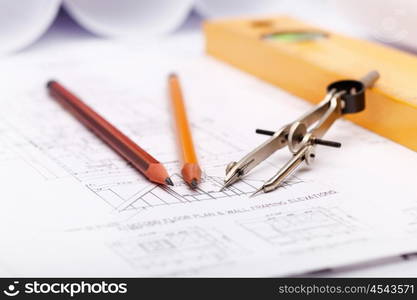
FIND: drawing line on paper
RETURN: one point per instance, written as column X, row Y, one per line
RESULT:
column 411, row 214
column 209, row 189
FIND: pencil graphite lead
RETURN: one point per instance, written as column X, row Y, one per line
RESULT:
column 194, row 183
column 169, row 181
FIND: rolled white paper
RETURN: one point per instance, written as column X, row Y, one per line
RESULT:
column 226, row 8
column 129, row 17
column 22, row 22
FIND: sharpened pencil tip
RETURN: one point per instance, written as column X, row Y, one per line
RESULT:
column 169, row 181
column 172, row 75
column 194, row 183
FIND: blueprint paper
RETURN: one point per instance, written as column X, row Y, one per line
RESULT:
column 71, row 207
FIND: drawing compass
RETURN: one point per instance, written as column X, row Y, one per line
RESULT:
column 301, row 136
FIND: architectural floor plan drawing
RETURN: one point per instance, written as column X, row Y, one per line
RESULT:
column 185, row 250
column 52, row 152
column 209, row 189
column 79, row 204
column 317, row 226
column 90, row 162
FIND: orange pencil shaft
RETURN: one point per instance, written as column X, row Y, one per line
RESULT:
column 191, row 170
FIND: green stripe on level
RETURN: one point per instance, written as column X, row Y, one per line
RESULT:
column 294, row 36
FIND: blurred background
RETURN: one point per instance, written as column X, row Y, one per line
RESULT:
column 33, row 24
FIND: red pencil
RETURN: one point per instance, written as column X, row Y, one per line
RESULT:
column 125, row 147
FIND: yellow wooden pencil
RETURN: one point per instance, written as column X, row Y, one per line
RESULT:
column 191, row 170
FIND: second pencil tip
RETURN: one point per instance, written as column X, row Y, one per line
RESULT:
column 194, row 183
